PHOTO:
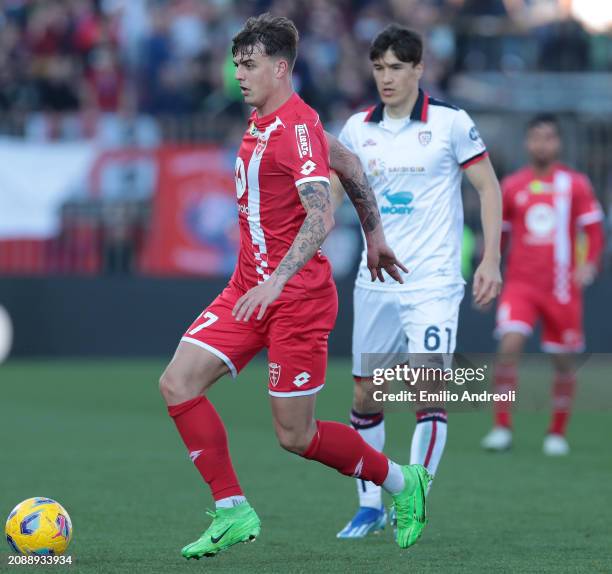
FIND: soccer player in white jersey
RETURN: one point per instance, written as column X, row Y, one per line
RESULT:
column 414, row 150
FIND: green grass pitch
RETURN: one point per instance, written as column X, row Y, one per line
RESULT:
column 96, row 437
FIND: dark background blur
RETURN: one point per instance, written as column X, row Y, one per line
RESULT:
column 119, row 122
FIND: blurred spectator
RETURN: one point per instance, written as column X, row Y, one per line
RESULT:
column 104, row 82
column 565, row 47
column 82, row 54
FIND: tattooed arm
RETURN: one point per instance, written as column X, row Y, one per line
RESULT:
column 356, row 186
column 316, row 199
column 319, row 220
column 350, row 172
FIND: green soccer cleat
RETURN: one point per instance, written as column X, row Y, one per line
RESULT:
column 410, row 506
column 229, row 526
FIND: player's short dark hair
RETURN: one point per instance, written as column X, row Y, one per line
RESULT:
column 544, row 118
column 276, row 34
column 406, row 44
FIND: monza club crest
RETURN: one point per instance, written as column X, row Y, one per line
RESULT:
column 275, row 371
column 424, row 137
column 262, row 142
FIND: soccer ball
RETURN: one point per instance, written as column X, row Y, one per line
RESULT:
column 38, row 526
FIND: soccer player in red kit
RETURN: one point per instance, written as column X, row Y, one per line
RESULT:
column 545, row 205
column 281, row 297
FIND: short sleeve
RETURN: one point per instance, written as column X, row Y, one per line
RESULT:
column 303, row 154
column 345, row 137
column 468, row 147
column 587, row 207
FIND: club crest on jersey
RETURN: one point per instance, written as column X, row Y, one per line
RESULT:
column 262, row 142
column 302, row 138
column 376, row 167
column 274, row 370
column 425, row 137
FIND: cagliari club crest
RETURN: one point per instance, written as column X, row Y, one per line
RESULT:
column 275, row 371
column 424, row 137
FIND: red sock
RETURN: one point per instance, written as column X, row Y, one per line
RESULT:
column 203, row 433
column 505, row 381
column 342, row 448
column 563, row 389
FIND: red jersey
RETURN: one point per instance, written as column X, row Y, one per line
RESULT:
column 543, row 215
column 279, row 152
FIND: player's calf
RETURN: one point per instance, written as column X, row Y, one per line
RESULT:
column 363, row 396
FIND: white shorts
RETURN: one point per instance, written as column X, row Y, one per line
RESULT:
column 387, row 324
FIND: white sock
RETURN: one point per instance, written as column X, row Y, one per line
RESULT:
column 428, row 440
column 372, row 430
column 395, row 481
column 230, row 501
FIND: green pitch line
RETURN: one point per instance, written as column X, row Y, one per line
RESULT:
column 96, row 437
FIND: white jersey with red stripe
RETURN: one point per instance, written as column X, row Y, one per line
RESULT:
column 543, row 215
column 415, row 167
column 279, row 152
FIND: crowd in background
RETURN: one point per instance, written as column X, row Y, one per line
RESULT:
column 172, row 56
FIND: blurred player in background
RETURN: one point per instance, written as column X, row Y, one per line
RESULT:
column 414, row 150
column 281, row 297
column 6, row 334
column 546, row 204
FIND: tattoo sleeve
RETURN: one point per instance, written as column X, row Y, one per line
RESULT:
column 355, row 183
column 315, row 197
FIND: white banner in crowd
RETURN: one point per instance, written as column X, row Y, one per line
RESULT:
column 35, row 179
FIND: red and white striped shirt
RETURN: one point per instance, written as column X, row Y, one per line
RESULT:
column 543, row 215
column 278, row 153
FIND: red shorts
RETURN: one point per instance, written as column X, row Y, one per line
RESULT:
column 521, row 306
column 295, row 333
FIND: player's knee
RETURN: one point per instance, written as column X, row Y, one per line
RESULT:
column 563, row 364
column 510, row 347
column 363, row 397
column 293, row 440
column 174, row 387
column 167, row 386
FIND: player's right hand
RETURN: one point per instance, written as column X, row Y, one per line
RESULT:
column 260, row 296
column 487, row 283
column 381, row 256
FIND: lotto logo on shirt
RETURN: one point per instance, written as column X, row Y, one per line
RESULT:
column 303, row 140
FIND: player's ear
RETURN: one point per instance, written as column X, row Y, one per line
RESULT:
column 281, row 68
column 419, row 69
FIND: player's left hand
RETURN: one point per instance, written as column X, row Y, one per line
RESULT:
column 261, row 296
column 381, row 256
column 585, row 274
column 487, row 282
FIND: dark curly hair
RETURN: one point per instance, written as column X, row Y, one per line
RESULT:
column 276, row 34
